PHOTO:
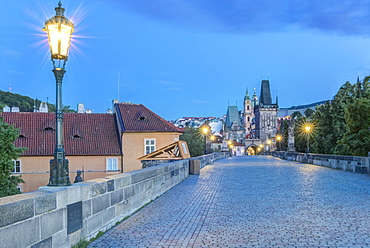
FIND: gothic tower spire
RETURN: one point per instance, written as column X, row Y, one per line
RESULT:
column 265, row 96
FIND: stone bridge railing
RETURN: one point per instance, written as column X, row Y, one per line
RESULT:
column 346, row 163
column 62, row 216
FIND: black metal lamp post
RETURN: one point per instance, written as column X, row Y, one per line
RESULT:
column 59, row 30
column 205, row 131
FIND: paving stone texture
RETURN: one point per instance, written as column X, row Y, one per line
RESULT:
column 257, row 201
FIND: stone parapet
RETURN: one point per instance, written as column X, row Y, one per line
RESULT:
column 62, row 216
column 346, row 163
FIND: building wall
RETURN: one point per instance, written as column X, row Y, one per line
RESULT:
column 35, row 170
column 133, row 146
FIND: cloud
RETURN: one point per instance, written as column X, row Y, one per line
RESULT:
column 348, row 17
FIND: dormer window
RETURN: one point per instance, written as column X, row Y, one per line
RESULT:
column 76, row 136
column 49, row 129
column 142, row 118
column 21, row 136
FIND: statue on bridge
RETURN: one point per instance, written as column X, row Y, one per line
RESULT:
column 291, row 147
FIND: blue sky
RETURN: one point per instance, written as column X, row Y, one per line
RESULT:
column 187, row 57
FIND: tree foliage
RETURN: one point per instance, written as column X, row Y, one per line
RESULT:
column 338, row 121
column 195, row 141
column 8, row 153
column 25, row 103
column 357, row 137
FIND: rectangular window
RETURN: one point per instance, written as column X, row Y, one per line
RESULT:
column 149, row 145
column 17, row 166
column 112, row 164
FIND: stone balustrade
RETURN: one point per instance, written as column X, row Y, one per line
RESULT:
column 62, row 216
column 346, row 163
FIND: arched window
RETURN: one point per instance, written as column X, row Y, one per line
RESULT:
column 248, row 119
column 248, row 107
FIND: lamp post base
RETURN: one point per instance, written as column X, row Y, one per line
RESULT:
column 59, row 175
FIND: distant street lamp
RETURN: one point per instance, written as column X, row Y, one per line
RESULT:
column 268, row 145
column 59, row 30
column 260, row 148
column 278, row 139
column 308, row 130
column 205, row 131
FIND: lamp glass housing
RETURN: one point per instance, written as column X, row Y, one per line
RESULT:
column 59, row 30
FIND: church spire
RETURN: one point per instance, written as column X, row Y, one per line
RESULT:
column 247, row 97
column 255, row 98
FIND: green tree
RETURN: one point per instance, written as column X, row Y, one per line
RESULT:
column 309, row 112
column 284, row 132
column 195, row 141
column 325, row 138
column 357, row 138
column 296, row 115
column 8, row 153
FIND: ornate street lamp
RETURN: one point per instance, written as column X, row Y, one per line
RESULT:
column 59, row 30
column 205, row 131
column 278, row 139
column 308, row 130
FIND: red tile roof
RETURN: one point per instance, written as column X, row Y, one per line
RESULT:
column 138, row 118
column 84, row 134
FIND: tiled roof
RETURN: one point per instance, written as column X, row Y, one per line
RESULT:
column 84, row 134
column 138, row 118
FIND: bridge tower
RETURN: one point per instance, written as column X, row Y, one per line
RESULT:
column 266, row 114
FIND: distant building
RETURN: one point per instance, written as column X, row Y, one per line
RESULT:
column 265, row 114
column 234, row 129
column 81, row 108
column 6, row 108
column 15, row 109
column 43, row 108
column 256, row 123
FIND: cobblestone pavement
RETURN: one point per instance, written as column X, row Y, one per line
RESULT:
column 255, row 201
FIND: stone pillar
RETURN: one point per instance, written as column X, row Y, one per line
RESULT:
column 194, row 167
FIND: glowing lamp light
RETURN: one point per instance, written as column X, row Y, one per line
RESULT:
column 278, row 137
column 268, row 141
column 307, row 129
column 205, row 130
column 59, row 30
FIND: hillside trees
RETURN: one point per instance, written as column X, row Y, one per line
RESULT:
column 25, row 103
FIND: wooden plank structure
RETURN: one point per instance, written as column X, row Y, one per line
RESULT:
column 174, row 151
